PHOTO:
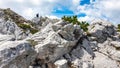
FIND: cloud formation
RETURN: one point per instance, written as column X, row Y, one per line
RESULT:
column 103, row 9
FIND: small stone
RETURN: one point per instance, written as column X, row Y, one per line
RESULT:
column 62, row 63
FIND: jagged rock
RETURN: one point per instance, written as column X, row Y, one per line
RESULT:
column 101, row 30
column 10, row 28
column 52, row 44
column 57, row 44
column 41, row 22
column 82, row 55
column 9, row 24
column 61, row 63
column 16, row 54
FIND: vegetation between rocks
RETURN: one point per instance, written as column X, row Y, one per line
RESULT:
column 118, row 27
column 19, row 20
column 28, row 27
column 32, row 42
column 73, row 19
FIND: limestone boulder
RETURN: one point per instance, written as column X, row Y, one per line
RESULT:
column 101, row 30
column 16, row 54
column 54, row 42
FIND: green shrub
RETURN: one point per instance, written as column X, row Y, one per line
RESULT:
column 73, row 19
column 118, row 26
column 84, row 25
column 118, row 30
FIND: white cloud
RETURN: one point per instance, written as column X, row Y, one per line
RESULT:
column 20, row 1
column 86, row 18
column 28, row 12
column 52, row 17
column 104, row 9
column 31, row 7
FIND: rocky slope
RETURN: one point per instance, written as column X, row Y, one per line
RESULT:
column 56, row 44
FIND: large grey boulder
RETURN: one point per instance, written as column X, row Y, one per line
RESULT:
column 101, row 30
column 55, row 40
column 16, row 54
column 81, row 56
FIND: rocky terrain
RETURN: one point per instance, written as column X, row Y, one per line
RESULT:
column 51, row 43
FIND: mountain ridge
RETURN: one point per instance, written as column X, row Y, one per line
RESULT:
column 50, row 43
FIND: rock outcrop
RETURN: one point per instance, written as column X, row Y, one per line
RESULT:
column 101, row 30
column 55, row 40
column 16, row 54
column 13, row 24
column 47, row 43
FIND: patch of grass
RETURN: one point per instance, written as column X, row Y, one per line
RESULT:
column 32, row 42
column 14, row 16
column 33, row 31
column 24, row 26
column 19, row 20
column 27, row 27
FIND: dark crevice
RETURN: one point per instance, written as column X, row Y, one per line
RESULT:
column 105, row 55
column 61, row 36
column 80, row 42
column 36, row 62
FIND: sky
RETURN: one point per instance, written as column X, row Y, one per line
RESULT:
column 86, row 10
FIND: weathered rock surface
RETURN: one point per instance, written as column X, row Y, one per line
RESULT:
column 56, row 40
column 10, row 24
column 57, row 44
column 91, row 53
column 104, row 61
column 6, row 38
column 101, row 30
column 41, row 22
column 10, row 28
column 16, row 54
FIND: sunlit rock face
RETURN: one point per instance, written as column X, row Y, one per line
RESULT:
column 16, row 54
column 55, row 40
column 51, row 43
column 101, row 30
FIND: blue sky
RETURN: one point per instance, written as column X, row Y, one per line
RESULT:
column 66, row 11
column 86, row 10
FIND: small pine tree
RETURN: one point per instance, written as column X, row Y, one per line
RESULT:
column 74, row 20
column 118, row 27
